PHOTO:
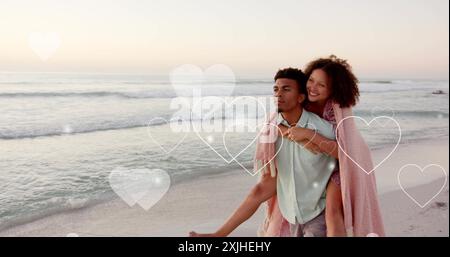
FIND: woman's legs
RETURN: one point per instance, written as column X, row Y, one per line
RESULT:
column 334, row 214
column 261, row 192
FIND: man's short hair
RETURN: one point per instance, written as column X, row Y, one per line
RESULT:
column 294, row 74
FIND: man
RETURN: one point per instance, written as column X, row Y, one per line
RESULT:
column 302, row 177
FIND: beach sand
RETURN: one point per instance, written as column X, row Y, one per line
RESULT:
column 204, row 203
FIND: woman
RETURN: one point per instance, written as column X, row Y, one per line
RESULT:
column 330, row 80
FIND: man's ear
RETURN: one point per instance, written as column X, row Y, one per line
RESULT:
column 301, row 98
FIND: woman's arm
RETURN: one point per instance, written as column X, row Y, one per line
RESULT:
column 324, row 144
column 312, row 147
column 261, row 192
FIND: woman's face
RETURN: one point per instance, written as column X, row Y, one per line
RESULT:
column 318, row 86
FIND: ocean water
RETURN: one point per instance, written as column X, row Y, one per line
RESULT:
column 62, row 134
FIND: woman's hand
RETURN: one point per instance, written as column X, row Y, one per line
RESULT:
column 311, row 140
column 296, row 134
column 302, row 136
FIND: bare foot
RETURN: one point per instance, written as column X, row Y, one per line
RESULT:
column 195, row 234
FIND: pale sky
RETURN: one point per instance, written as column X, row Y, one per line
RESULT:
column 380, row 38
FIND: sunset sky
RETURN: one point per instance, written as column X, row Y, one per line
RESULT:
column 381, row 39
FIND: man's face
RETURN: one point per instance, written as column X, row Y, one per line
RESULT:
column 287, row 95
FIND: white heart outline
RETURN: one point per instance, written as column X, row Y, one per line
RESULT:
column 276, row 153
column 198, row 79
column 44, row 44
column 368, row 124
column 381, row 109
column 327, row 144
column 156, row 142
column 422, row 171
column 233, row 158
column 378, row 108
column 226, row 104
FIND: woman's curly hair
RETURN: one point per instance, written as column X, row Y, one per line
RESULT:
column 344, row 84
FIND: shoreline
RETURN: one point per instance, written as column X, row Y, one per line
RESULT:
column 216, row 195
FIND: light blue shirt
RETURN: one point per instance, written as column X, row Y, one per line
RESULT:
column 303, row 176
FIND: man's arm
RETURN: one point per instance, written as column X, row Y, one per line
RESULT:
column 261, row 192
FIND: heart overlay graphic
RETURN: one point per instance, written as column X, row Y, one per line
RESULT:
column 144, row 187
column 161, row 145
column 44, row 44
column 219, row 102
column 189, row 79
column 422, row 171
column 253, row 173
column 368, row 124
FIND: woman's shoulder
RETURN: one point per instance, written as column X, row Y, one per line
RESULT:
column 322, row 126
column 328, row 113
